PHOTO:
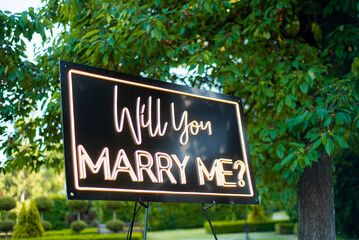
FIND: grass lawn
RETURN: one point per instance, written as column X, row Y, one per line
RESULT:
column 200, row 233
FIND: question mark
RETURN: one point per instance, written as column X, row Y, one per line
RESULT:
column 241, row 182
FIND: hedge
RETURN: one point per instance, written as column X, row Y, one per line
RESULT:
column 239, row 226
column 115, row 236
column 284, row 228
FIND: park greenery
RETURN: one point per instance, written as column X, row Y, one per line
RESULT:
column 295, row 64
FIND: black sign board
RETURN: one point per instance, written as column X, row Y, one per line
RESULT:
column 133, row 138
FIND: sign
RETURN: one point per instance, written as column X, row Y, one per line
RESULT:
column 132, row 138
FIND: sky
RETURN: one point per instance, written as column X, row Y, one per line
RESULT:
column 18, row 5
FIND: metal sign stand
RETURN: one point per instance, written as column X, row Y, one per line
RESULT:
column 209, row 220
column 135, row 211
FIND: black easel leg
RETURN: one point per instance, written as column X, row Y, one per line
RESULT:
column 209, row 220
column 146, row 220
column 130, row 228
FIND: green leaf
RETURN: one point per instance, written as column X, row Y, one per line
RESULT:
column 317, row 143
column 304, row 87
column 311, row 74
column 269, row 92
column 341, row 141
column 89, row 34
column 280, row 151
column 287, row 159
column 324, row 139
column 329, row 147
column 288, row 101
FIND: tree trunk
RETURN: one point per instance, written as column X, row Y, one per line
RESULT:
column 316, row 214
column 114, row 215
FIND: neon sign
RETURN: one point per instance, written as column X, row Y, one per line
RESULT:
column 131, row 138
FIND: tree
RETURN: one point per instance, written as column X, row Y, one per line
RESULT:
column 20, row 227
column 33, row 225
column 78, row 206
column 29, row 223
column 7, row 203
column 294, row 64
column 20, row 92
column 6, row 226
column 114, row 206
column 44, row 204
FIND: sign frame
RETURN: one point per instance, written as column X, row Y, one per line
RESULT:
column 77, row 191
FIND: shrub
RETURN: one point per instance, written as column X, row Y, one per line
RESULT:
column 78, row 226
column 239, row 226
column 29, row 224
column 114, row 206
column 257, row 214
column 6, row 226
column 46, row 225
column 114, row 225
column 19, row 228
column 284, row 228
column 78, row 206
column 7, row 203
column 34, row 226
column 57, row 215
column 44, row 204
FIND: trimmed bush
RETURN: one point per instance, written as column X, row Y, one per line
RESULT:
column 46, row 225
column 239, row 226
column 284, row 228
column 7, row 203
column 20, row 227
column 113, row 236
column 6, row 226
column 114, row 206
column 78, row 205
column 44, row 204
column 115, row 225
column 33, row 224
column 78, row 226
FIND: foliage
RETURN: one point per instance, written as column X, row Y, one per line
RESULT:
column 93, row 236
column 20, row 92
column 125, row 212
column 347, row 183
column 113, row 205
column 33, row 224
column 78, row 226
column 7, row 203
column 24, row 185
column 239, row 226
column 78, row 205
column 46, row 225
column 29, row 223
column 20, row 227
column 57, row 214
column 6, row 226
column 44, row 203
column 284, row 228
column 115, row 225
column 257, row 214
column 295, row 65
